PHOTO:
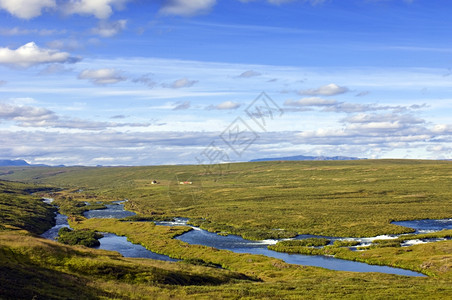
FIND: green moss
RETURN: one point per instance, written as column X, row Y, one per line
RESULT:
column 88, row 238
column 345, row 243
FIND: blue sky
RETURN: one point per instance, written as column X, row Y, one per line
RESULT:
column 133, row 82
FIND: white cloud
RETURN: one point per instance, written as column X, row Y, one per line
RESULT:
column 30, row 54
column 346, row 107
column 225, row 105
column 181, row 83
column 101, row 9
column 182, row 106
column 102, row 76
column 109, row 29
column 26, row 115
column 249, row 73
column 325, row 90
column 187, row 7
column 443, row 129
column 392, row 117
column 311, row 101
column 30, row 116
column 26, row 9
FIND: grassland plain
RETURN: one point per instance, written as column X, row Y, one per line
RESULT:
column 255, row 200
column 271, row 199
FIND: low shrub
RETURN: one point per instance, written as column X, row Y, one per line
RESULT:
column 88, row 238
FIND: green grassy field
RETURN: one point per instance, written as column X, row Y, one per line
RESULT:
column 255, row 200
column 272, row 199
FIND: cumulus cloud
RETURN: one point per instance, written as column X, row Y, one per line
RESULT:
column 182, row 83
column 30, row 54
column 388, row 131
column 443, row 129
column 225, row 105
column 26, row 115
column 186, row 7
column 182, row 106
column 109, row 29
column 102, row 76
column 26, row 9
column 325, row 90
column 311, row 101
column 249, row 73
column 101, row 9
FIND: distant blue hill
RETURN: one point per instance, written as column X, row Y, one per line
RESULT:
column 303, row 157
column 20, row 163
column 13, row 163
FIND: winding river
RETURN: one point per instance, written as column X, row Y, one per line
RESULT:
column 237, row 244
column 110, row 241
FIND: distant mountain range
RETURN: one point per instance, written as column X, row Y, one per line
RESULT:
column 303, row 157
column 19, row 163
column 13, row 163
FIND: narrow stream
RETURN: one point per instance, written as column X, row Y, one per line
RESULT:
column 113, row 211
column 426, row 225
column 52, row 233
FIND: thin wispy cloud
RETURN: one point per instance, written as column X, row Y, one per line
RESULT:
column 145, row 79
column 182, row 106
column 249, row 74
column 15, row 31
column 311, row 101
column 186, row 7
column 227, row 105
column 29, row 116
column 325, row 90
column 102, row 76
column 109, row 29
column 181, row 83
